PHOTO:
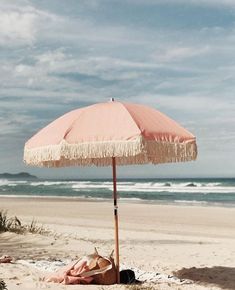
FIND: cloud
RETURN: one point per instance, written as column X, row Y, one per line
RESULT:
column 56, row 57
column 20, row 22
column 213, row 3
column 228, row 3
column 180, row 53
column 12, row 123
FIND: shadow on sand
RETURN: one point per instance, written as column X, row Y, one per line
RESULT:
column 24, row 246
column 223, row 277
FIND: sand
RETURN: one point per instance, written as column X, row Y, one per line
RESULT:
column 191, row 242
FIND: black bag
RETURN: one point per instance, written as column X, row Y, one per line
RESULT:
column 127, row 277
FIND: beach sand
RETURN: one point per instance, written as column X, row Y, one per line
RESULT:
column 196, row 243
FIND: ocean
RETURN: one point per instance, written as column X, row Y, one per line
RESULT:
column 214, row 191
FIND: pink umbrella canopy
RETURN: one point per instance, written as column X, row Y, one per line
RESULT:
column 132, row 133
column 108, row 134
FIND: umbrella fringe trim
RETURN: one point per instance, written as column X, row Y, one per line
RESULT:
column 101, row 149
column 138, row 151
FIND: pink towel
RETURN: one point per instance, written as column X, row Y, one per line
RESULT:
column 71, row 274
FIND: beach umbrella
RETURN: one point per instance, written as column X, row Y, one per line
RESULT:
column 111, row 133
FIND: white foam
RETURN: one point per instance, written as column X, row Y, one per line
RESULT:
column 138, row 187
column 92, row 186
column 191, row 201
column 80, row 197
column 185, row 187
column 130, row 198
column 50, row 183
column 4, row 182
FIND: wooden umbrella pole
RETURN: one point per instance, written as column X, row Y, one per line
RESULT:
column 116, row 217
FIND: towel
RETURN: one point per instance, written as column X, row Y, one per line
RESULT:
column 74, row 273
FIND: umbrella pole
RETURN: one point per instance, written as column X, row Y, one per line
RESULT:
column 116, row 218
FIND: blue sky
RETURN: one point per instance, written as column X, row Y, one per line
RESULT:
column 177, row 56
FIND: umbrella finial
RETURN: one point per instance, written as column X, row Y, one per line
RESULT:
column 111, row 99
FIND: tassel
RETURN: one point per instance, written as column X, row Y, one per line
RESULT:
column 138, row 151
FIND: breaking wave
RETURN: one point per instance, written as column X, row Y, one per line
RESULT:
column 194, row 191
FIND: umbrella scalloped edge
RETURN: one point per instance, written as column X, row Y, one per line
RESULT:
column 138, row 151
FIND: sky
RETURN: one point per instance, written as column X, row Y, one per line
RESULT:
column 177, row 56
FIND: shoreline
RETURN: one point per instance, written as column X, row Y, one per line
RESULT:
column 183, row 203
column 139, row 214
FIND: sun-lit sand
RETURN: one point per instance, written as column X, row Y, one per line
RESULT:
column 159, row 238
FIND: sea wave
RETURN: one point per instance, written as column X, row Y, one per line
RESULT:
column 51, row 183
column 7, row 182
column 124, row 186
column 80, row 197
column 92, row 186
column 172, row 191
column 176, row 188
column 192, row 202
